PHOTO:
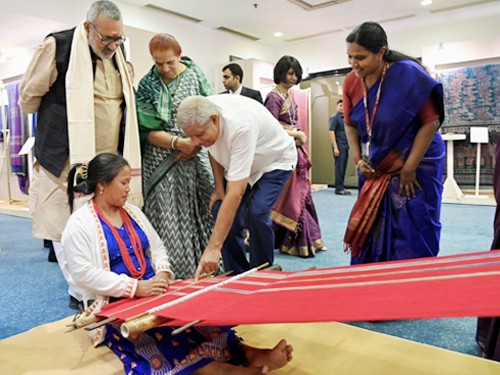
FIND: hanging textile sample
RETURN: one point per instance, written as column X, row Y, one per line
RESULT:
column 3, row 126
column 18, row 134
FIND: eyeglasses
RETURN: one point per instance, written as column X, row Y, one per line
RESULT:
column 107, row 40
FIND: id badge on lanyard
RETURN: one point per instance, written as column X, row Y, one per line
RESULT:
column 365, row 147
column 365, row 150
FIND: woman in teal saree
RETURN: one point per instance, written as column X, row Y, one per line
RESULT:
column 177, row 174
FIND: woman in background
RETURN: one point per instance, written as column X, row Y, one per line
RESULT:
column 297, row 224
column 113, row 252
column 177, row 175
column 393, row 109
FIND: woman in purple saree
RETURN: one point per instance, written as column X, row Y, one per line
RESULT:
column 393, row 109
column 294, row 214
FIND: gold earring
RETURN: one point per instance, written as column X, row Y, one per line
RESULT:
column 100, row 192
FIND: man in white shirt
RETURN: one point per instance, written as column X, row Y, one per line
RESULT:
column 252, row 158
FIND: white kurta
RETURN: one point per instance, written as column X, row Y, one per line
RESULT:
column 87, row 256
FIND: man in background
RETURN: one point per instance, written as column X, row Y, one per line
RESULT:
column 340, row 148
column 232, row 76
column 78, row 83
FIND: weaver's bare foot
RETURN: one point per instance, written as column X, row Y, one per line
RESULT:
column 270, row 359
column 260, row 361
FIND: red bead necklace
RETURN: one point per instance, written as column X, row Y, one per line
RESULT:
column 134, row 240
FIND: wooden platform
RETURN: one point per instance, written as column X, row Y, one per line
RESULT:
column 320, row 349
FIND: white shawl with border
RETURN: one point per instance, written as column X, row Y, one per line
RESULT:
column 80, row 111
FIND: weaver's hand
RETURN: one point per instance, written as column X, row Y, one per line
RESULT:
column 209, row 262
column 162, row 276
column 151, row 287
column 187, row 149
column 408, row 182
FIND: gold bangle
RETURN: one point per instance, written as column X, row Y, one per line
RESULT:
column 173, row 142
column 359, row 162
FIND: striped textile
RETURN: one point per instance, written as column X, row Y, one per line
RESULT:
column 436, row 287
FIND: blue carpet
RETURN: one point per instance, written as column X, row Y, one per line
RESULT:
column 33, row 291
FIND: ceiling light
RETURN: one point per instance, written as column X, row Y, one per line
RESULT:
column 425, row 2
column 278, row 34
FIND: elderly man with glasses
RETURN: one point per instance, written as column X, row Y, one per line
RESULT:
column 79, row 85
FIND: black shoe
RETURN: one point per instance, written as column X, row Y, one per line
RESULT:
column 343, row 192
column 47, row 243
column 52, row 254
column 52, row 257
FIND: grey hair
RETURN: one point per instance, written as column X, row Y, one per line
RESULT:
column 196, row 110
column 103, row 7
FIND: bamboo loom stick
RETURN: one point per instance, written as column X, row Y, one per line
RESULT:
column 92, row 322
column 135, row 327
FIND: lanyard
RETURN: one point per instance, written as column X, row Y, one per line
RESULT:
column 368, row 121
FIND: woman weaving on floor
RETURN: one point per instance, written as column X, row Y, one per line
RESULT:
column 113, row 252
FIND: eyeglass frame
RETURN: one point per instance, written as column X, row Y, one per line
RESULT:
column 118, row 40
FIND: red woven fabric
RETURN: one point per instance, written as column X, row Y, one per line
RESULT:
column 437, row 287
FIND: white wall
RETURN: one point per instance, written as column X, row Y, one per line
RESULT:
column 449, row 55
column 328, row 52
column 207, row 47
column 210, row 48
column 15, row 66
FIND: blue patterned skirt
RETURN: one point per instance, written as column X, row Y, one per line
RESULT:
column 158, row 352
